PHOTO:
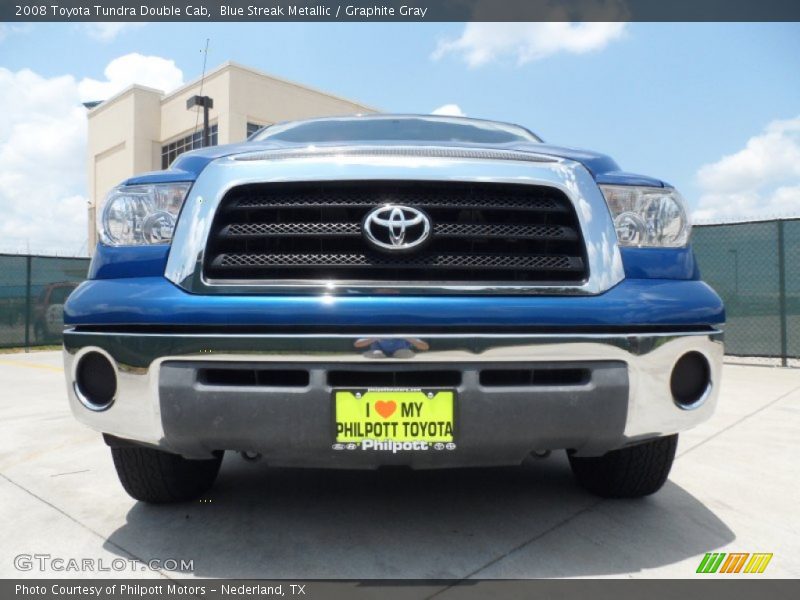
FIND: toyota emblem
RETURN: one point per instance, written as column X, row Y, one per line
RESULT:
column 396, row 228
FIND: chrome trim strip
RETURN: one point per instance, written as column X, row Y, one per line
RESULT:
column 650, row 358
column 402, row 151
column 184, row 265
column 341, row 347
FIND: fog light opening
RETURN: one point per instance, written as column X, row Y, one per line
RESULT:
column 95, row 381
column 691, row 380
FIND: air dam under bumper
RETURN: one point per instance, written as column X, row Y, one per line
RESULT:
column 615, row 391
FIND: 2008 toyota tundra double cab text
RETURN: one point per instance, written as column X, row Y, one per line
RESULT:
column 364, row 291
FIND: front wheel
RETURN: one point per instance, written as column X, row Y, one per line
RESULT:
column 160, row 477
column 631, row 472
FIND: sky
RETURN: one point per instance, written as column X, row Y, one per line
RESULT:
column 713, row 109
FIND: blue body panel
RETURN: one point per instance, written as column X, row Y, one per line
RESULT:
column 156, row 301
column 625, row 178
column 659, row 263
column 111, row 262
column 168, row 176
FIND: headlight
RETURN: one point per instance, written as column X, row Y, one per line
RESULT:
column 141, row 214
column 648, row 216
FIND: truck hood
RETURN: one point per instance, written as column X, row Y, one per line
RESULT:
column 603, row 168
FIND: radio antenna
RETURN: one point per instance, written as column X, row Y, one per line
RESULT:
column 202, row 81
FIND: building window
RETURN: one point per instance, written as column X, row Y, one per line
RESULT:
column 252, row 128
column 173, row 150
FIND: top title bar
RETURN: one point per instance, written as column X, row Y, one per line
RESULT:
column 401, row 11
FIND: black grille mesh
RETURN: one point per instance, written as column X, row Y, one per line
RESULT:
column 453, row 261
column 236, row 230
column 482, row 232
column 418, row 200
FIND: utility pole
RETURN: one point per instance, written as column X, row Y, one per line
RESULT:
column 206, row 103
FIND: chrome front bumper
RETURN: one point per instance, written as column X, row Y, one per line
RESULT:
column 160, row 401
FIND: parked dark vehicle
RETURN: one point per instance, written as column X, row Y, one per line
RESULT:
column 48, row 311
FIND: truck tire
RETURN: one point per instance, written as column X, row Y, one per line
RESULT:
column 631, row 472
column 160, row 477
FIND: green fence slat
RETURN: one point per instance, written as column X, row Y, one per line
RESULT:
column 751, row 270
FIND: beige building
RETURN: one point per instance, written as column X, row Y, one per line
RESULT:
column 143, row 129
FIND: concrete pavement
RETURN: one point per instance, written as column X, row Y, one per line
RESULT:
column 735, row 487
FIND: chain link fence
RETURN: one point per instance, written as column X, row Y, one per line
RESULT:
column 754, row 266
column 32, row 294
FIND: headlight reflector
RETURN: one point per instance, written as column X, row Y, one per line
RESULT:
column 141, row 214
column 648, row 217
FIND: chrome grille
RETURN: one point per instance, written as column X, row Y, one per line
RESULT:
column 482, row 232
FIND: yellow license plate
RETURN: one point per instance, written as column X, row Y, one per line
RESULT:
column 394, row 415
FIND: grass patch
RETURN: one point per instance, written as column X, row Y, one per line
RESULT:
column 22, row 349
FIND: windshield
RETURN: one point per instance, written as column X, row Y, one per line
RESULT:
column 410, row 129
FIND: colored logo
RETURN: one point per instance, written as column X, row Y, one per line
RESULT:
column 734, row 562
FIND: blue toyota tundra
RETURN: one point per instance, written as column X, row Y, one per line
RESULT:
column 425, row 291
